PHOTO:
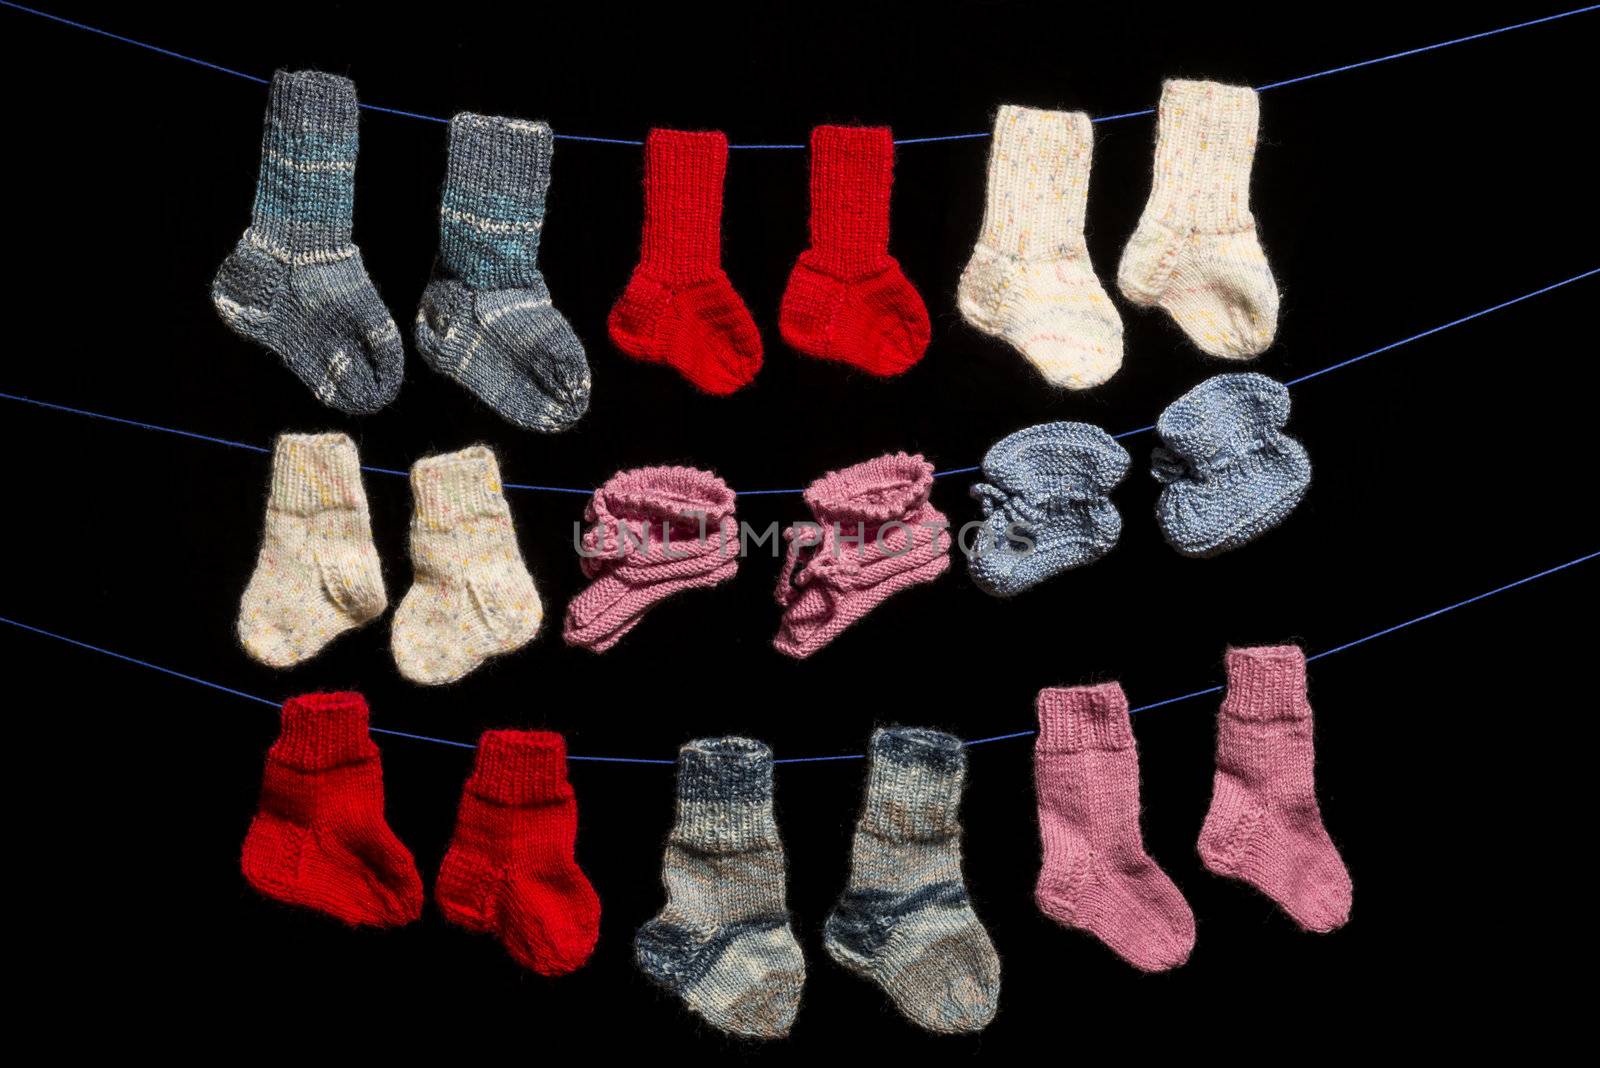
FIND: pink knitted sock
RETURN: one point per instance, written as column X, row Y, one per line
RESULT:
column 653, row 531
column 1096, row 874
column 875, row 534
column 1264, row 825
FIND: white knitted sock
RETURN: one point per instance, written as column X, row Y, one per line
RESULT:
column 1196, row 253
column 472, row 597
column 1030, row 280
column 317, row 575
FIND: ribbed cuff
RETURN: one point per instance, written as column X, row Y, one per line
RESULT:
column 1074, row 719
column 493, row 203
column 1204, row 151
column 873, row 491
column 451, row 489
column 1267, row 682
column 1038, row 188
column 852, row 176
column 323, row 730
column 669, row 494
column 683, row 175
column 306, row 186
column 914, row 786
column 316, row 472
column 725, row 796
column 519, row 768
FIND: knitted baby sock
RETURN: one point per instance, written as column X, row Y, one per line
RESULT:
column 1264, row 825
column 319, row 838
column 847, row 298
column 875, row 534
column 1195, row 252
column 679, row 308
column 723, row 942
column 472, row 596
column 486, row 319
column 654, row 532
column 510, row 869
column 295, row 283
column 1030, row 280
column 1097, row 876
column 317, row 574
column 905, row 921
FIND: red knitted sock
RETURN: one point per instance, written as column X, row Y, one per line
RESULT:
column 319, row 838
column 847, row 298
column 510, row 867
column 679, row 308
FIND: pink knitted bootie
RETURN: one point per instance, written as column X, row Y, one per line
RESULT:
column 1097, row 876
column 653, row 531
column 875, row 534
column 1264, row 825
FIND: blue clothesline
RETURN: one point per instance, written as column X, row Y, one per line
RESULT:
column 903, row 141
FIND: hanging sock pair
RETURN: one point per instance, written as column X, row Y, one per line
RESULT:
column 847, row 299
column 317, row 574
column 1263, row 827
column 724, row 943
column 320, row 840
column 296, row 284
column 1195, row 253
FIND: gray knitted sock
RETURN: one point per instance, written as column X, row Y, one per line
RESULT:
column 904, row 921
column 294, row 282
column 486, row 319
column 723, row 943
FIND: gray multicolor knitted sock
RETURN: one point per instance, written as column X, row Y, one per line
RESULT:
column 295, row 283
column 904, row 921
column 486, row 319
column 723, row 943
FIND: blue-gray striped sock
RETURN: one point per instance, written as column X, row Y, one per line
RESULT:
column 723, row 942
column 295, row 282
column 486, row 319
column 904, row 921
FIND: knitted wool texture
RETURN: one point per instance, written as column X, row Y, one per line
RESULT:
column 654, row 531
column 723, row 943
column 1195, row 253
column 486, row 318
column 1097, row 876
column 847, row 298
column 1030, row 280
column 1045, row 506
column 905, row 921
column 510, row 869
column 295, row 283
column 317, row 574
column 472, row 596
column 1264, row 825
column 319, row 838
column 875, row 533
column 1229, row 473
column 679, row 308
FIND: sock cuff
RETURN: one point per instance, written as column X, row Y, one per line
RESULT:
column 451, row 489
column 1038, row 186
column 520, row 768
column 914, row 785
column 493, row 204
column 305, row 190
column 885, row 488
column 725, row 796
column 1266, row 683
column 1081, row 718
column 320, row 731
column 314, row 473
column 683, row 177
column 852, row 176
column 1205, row 147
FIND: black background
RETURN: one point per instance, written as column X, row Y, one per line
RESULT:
column 1390, row 199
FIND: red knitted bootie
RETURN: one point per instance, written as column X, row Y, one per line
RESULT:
column 319, row 838
column 679, row 308
column 847, row 298
column 510, row 869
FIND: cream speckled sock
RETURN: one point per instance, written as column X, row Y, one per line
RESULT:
column 472, row 597
column 317, row 575
column 1030, row 280
column 1196, row 253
